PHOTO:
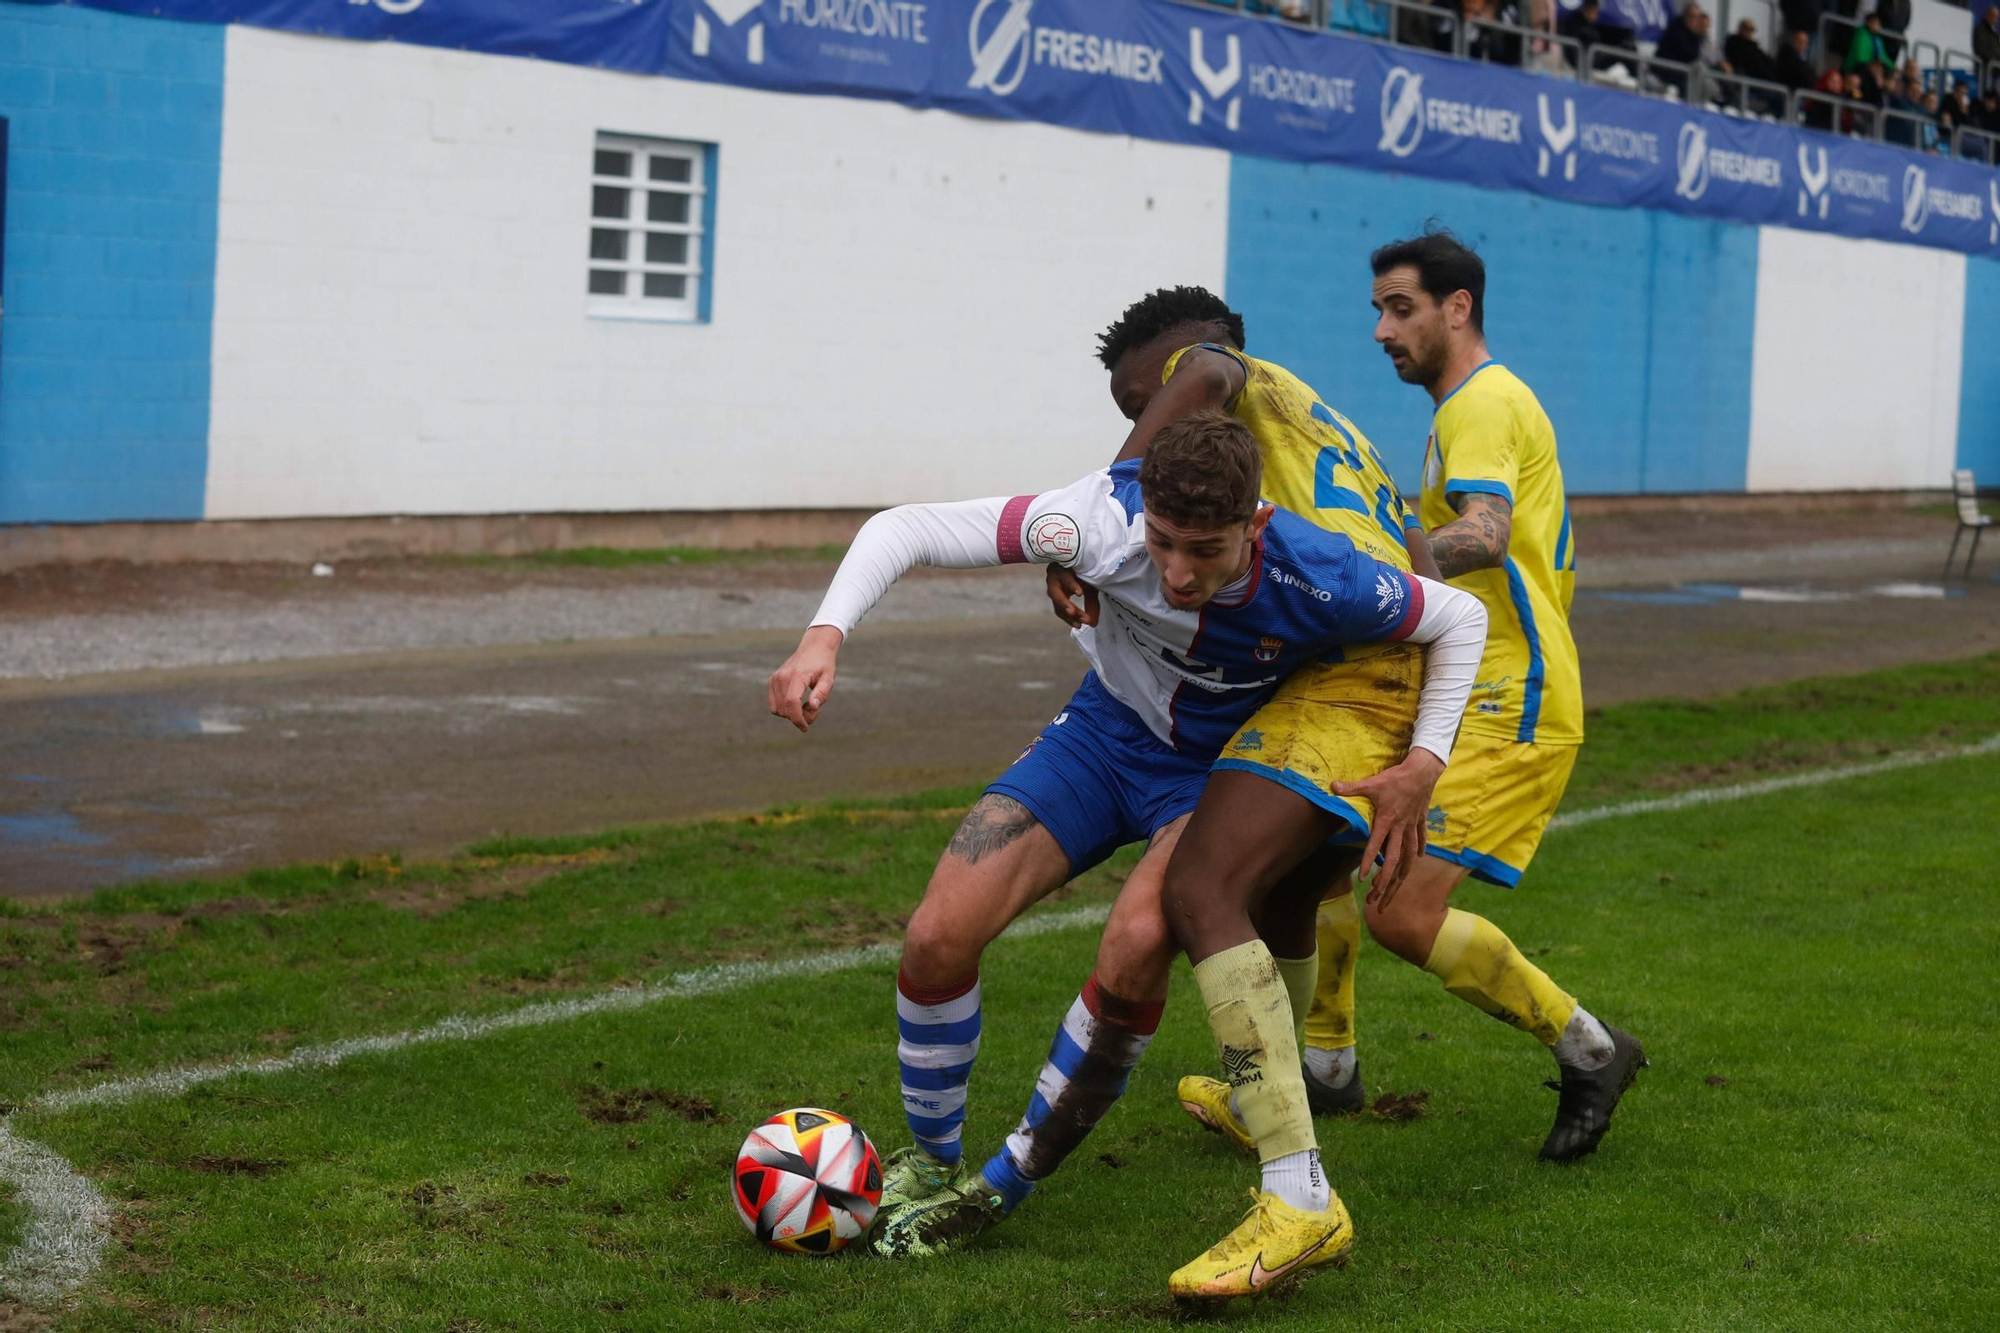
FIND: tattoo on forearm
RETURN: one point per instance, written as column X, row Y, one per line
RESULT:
column 989, row 826
column 1478, row 540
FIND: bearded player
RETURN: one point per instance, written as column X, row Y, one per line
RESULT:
column 1499, row 524
column 1210, row 599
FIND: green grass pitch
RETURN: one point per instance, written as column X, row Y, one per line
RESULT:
column 1811, row 972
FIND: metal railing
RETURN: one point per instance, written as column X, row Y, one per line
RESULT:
column 1681, row 78
column 1841, row 109
column 1430, row 27
column 1527, row 39
column 1746, row 96
column 1988, row 141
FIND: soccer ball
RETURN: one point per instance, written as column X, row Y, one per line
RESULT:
column 807, row 1180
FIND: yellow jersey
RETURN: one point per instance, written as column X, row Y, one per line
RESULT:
column 1316, row 463
column 1490, row 436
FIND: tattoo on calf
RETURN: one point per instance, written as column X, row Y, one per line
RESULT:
column 990, row 825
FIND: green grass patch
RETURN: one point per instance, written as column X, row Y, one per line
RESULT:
column 1809, row 970
column 610, row 557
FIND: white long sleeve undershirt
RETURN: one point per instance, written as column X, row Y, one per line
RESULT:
column 1453, row 632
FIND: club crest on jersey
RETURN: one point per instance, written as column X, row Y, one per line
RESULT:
column 1389, row 592
column 1054, row 538
column 1267, row 649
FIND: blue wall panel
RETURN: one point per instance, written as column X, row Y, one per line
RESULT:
column 1633, row 327
column 116, row 129
column 1979, row 389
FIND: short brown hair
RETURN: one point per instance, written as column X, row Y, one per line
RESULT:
column 1203, row 471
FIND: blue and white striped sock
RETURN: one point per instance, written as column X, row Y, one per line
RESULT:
column 1092, row 1056
column 938, row 1027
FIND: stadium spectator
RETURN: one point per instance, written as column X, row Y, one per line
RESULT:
column 1794, row 63
column 1803, row 16
column 1895, row 16
column 1416, row 28
column 1831, row 83
column 1743, row 56
column 1484, row 43
column 1587, row 28
column 1686, row 41
column 1853, row 122
column 1867, row 45
column 1929, row 138
column 1986, row 38
column 1989, row 110
column 1897, row 97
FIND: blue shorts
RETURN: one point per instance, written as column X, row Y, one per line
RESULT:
column 1097, row 778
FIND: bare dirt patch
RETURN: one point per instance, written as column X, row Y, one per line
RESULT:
column 234, row 1166
column 1389, row 1106
column 612, row 1107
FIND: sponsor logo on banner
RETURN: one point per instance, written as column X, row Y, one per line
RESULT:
column 1005, row 44
column 1922, row 200
column 1402, row 112
column 1993, row 233
column 729, row 12
column 1558, row 141
column 891, row 20
column 391, row 6
column 1407, row 115
column 1813, row 179
column 1696, row 163
column 1216, row 82
column 1301, row 90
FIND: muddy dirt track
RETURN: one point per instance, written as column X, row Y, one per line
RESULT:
column 428, row 739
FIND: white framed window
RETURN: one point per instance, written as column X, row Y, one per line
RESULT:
column 650, row 211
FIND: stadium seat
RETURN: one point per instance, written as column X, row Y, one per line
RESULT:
column 1966, row 493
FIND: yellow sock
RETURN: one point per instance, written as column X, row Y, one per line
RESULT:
column 1252, row 1024
column 1330, row 1017
column 1481, row 966
column 1298, row 975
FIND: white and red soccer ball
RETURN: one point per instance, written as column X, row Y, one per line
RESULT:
column 807, row 1180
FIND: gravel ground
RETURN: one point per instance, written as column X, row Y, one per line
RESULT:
column 66, row 622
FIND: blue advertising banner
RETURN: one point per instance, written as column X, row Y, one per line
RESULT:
column 1181, row 74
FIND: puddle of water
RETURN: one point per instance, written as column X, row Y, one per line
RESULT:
column 51, row 828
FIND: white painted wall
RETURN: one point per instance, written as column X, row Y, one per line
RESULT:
column 1857, row 364
column 906, row 302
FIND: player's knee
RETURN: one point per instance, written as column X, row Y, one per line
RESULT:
column 1401, row 929
column 935, row 954
column 1135, row 943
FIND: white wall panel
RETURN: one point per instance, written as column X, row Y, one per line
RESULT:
column 905, row 307
column 1856, row 371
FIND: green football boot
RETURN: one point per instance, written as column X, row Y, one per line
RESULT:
column 911, row 1175
column 946, row 1222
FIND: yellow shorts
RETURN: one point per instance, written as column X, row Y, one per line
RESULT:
column 1493, row 802
column 1336, row 722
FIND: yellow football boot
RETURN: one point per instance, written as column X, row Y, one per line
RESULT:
column 1207, row 1100
column 1275, row 1244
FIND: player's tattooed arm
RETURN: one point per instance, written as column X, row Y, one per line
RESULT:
column 1478, row 538
column 990, row 825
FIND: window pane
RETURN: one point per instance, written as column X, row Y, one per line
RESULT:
column 670, row 169
column 605, row 244
column 607, row 282
column 610, row 163
column 673, row 285
column 665, row 249
column 664, row 207
column 609, row 201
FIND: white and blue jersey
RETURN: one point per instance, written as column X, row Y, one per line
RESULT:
column 1195, row 676
column 1168, row 687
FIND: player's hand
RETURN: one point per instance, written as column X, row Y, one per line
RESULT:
column 800, row 686
column 1402, row 798
column 1064, row 590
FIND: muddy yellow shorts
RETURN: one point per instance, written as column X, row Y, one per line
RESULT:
column 1493, row 802
column 1334, row 723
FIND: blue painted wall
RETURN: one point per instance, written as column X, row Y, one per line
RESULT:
column 1633, row 327
column 1979, row 390
column 113, row 176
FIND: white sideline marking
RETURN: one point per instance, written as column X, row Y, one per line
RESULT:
column 1713, row 795
column 69, row 1221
